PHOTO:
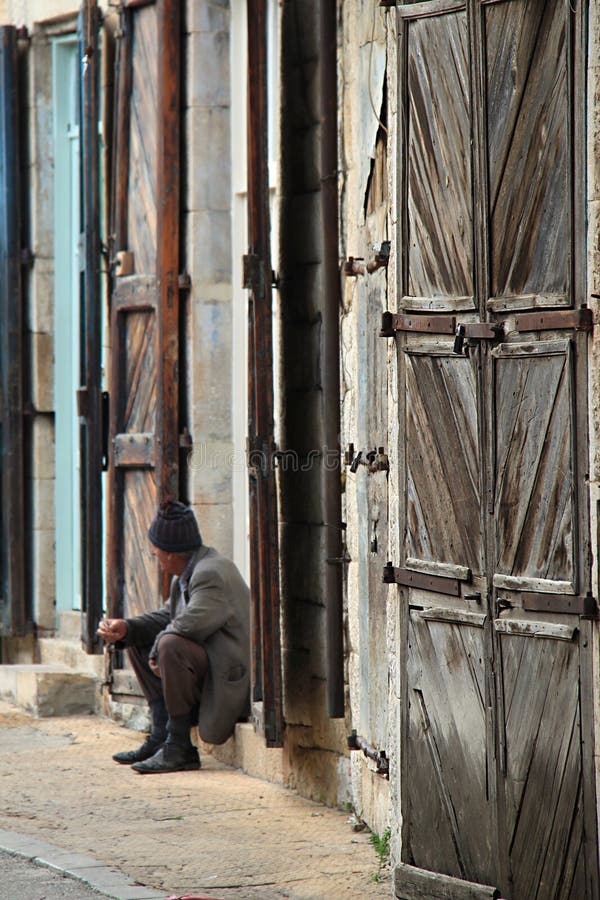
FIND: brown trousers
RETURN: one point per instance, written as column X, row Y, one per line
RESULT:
column 183, row 665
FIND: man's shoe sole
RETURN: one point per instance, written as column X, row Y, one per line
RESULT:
column 186, row 767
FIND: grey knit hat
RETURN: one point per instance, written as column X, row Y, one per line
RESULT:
column 174, row 528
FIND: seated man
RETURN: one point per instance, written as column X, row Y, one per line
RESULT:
column 191, row 657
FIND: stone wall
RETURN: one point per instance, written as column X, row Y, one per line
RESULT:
column 208, row 259
column 365, row 223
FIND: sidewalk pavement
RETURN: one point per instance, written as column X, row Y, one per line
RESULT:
column 216, row 833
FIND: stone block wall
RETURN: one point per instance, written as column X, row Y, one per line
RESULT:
column 207, row 218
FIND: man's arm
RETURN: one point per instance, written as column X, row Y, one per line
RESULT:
column 206, row 612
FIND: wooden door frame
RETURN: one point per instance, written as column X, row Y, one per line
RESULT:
column 16, row 609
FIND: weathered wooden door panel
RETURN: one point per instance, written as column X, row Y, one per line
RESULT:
column 495, row 453
column 526, row 81
column 439, row 251
column 442, row 459
column 543, row 784
column 450, row 808
column 534, row 469
column 144, row 323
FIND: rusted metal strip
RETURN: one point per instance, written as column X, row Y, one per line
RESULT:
column 135, row 292
column 134, row 450
column 552, row 320
column 408, row 578
column 393, row 322
column 560, row 603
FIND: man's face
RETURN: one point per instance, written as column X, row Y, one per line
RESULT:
column 169, row 562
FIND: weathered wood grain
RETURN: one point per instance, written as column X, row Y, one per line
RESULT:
column 440, row 221
column 534, row 468
column 447, row 750
column 411, row 883
column 543, row 779
column 527, row 144
column 443, row 491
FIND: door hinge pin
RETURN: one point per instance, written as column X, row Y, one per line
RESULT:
column 379, row 757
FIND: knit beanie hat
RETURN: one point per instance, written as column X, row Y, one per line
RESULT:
column 174, row 528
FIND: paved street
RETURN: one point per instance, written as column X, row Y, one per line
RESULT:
column 24, row 878
column 217, row 833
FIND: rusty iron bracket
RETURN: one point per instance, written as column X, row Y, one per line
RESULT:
column 379, row 757
column 555, row 319
column 585, row 606
column 393, row 322
column 375, row 460
column 406, row 577
column 355, row 265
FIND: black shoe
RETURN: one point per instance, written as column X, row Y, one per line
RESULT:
column 170, row 758
column 148, row 749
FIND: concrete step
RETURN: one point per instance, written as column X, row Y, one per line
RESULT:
column 49, row 690
column 69, row 654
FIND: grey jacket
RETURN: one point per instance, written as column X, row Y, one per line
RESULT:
column 213, row 610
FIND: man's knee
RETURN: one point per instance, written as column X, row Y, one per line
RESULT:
column 169, row 646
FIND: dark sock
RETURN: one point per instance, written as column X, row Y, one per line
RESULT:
column 179, row 730
column 160, row 718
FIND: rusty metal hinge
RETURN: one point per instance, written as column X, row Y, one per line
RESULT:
column 556, row 319
column 393, row 322
column 355, row 265
column 379, row 757
column 375, row 460
column 407, row 577
column 585, row 606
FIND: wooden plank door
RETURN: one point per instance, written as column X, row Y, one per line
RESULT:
column 90, row 394
column 448, row 766
column 497, row 694
column 14, row 611
column 145, row 302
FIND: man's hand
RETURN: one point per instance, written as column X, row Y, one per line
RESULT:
column 112, row 630
column 154, row 666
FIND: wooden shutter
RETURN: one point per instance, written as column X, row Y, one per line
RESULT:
column 145, row 298
column 15, row 612
column 90, row 395
column 264, row 537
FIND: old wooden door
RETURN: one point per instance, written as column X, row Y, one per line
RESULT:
column 145, row 301
column 497, row 778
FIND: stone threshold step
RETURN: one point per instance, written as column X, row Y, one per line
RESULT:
column 48, row 690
